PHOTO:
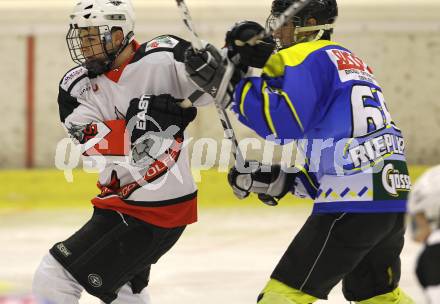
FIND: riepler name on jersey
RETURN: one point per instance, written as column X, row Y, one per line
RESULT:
column 93, row 112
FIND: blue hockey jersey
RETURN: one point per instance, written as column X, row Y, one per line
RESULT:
column 325, row 98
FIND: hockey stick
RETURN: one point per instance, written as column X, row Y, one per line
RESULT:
column 187, row 20
column 229, row 133
column 197, row 45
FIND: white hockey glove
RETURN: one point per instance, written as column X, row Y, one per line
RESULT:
column 269, row 182
column 153, row 122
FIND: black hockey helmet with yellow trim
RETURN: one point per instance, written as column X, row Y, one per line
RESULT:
column 324, row 11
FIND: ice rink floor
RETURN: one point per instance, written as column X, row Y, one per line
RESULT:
column 225, row 258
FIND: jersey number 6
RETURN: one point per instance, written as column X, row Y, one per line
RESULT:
column 369, row 110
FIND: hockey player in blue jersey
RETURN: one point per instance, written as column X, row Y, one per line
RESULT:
column 320, row 94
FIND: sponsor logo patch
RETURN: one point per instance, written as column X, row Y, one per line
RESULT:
column 72, row 76
column 393, row 182
column 351, row 67
column 161, row 41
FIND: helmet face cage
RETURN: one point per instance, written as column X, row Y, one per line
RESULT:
column 270, row 21
column 96, row 36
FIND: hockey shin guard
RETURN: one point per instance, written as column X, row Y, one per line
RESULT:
column 53, row 284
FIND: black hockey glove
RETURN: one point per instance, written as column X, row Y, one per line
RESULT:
column 249, row 55
column 205, row 67
column 152, row 122
column 269, row 182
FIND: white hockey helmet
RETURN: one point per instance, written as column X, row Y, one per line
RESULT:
column 425, row 197
column 103, row 15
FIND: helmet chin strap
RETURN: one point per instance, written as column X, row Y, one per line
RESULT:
column 124, row 44
column 309, row 38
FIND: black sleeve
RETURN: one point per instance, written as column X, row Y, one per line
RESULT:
column 180, row 49
column 428, row 266
column 66, row 103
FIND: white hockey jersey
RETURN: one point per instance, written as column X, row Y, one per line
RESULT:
column 93, row 112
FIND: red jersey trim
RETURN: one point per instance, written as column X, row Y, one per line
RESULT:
column 171, row 216
column 115, row 74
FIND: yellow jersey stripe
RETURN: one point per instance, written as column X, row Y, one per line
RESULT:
column 267, row 115
column 244, row 93
column 303, row 170
column 293, row 56
column 292, row 108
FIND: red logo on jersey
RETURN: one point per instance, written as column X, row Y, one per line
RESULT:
column 348, row 61
column 154, row 44
column 90, row 131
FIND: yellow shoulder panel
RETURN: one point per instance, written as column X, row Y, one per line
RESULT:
column 292, row 56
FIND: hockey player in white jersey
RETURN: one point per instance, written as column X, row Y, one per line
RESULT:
column 424, row 208
column 148, row 195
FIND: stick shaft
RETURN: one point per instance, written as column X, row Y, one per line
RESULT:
column 197, row 44
column 229, row 133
